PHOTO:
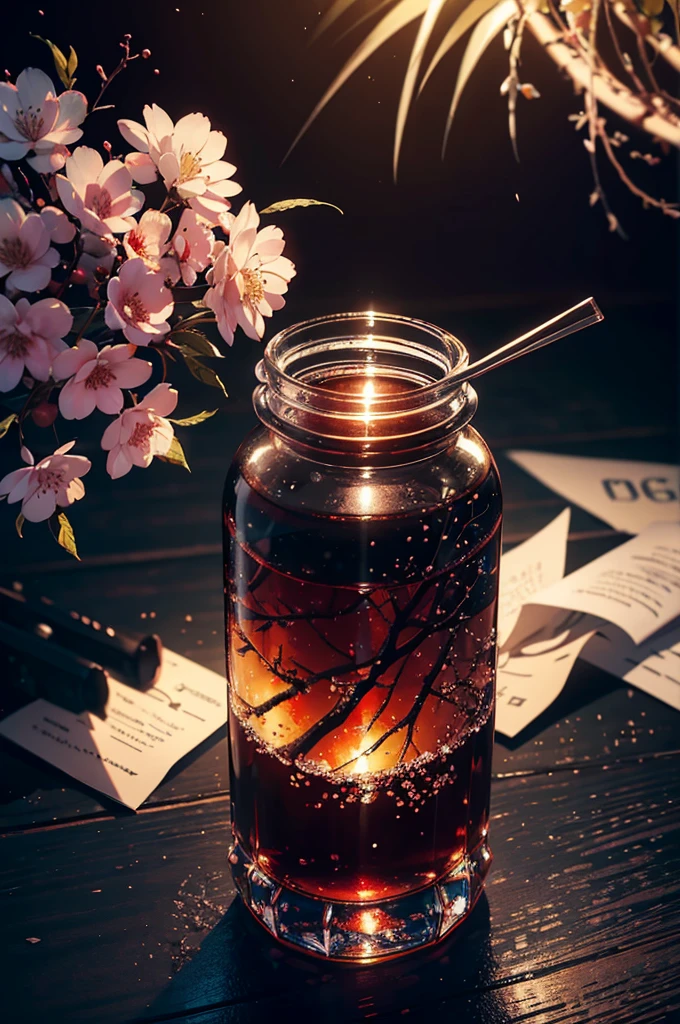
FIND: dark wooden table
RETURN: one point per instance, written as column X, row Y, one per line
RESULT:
column 136, row 915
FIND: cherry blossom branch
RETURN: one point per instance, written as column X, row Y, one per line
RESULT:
column 125, row 60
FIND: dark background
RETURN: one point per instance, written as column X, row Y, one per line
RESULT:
column 447, row 231
column 449, row 242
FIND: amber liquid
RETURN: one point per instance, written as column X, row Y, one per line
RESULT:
column 361, row 713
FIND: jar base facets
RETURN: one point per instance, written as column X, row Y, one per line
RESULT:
column 361, row 932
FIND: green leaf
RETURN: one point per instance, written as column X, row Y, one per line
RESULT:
column 60, row 62
column 7, row 423
column 66, row 537
column 195, row 342
column 175, row 455
column 71, row 66
column 20, row 520
column 289, row 204
column 191, row 421
column 204, row 373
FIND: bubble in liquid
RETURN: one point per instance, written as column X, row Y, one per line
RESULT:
column 315, row 477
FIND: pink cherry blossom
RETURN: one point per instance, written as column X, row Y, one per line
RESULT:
column 32, row 117
column 25, row 252
column 187, row 154
column 96, row 378
column 61, row 229
column 99, row 195
column 140, row 433
column 98, row 254
column 30, row 338
column 190, row 249
column 55, row 481
column 139, row 303
column 148, row 239
column 249, row 278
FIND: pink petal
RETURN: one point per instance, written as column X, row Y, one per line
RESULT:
column 161, row 439
column 118, row 462
column 214, row 148
column 70, row 361
column 111, row 436
column 39, row 359
column 83, row 168
column 50, row 318
column 116, row 178
column 73, row 465
column 141, row 167
column 72, row 109
column 168, row 165
column 138, row 457
column 138, row 336
column 34, row 87
column 33, row 279
column 157, row 121
column 162, row 400
column 11, row 372
column 39, row 506
column 73, row 491
column 117, row 353
column 35, row 235
column 11, row 218
column 49, row 162
column 57, row 223
column 76, row 401
column 85, row 371
column 191, row 133
column 134, row 134
column 66, row 448
column 109, row 399
column 15, row 483
column 132, row 373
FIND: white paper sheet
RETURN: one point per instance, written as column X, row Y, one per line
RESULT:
column 636, row 586
column 537, row 646
column 144, row 734
column 627, row 495
column 529, row 568
column 535, row 662
column 653, row 666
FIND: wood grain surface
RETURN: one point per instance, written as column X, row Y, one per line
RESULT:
column 135, row 914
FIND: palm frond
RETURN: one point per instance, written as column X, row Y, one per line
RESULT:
column 331, row 16
column 366, row 16
column 403, row 14
column 424, row 32
column 486, row 29
column 470, row 14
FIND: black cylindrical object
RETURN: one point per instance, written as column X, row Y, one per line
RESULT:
column 135, row 661
column 41, row 668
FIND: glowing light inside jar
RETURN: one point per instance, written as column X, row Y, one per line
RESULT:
column 368, row 394
column 369, row 922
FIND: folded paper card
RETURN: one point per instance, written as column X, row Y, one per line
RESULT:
column 143, row 735
column 627, row 495
column 653, row 666
column 636, row 586
column 529, row 568
column 538, row 646
column 534, row 665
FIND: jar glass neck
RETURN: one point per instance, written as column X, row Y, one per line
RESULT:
column 368, row 387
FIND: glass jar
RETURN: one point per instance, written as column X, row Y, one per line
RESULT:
column 362, row 526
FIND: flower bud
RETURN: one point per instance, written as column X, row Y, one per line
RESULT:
column 44, row 414
column 146, row 54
